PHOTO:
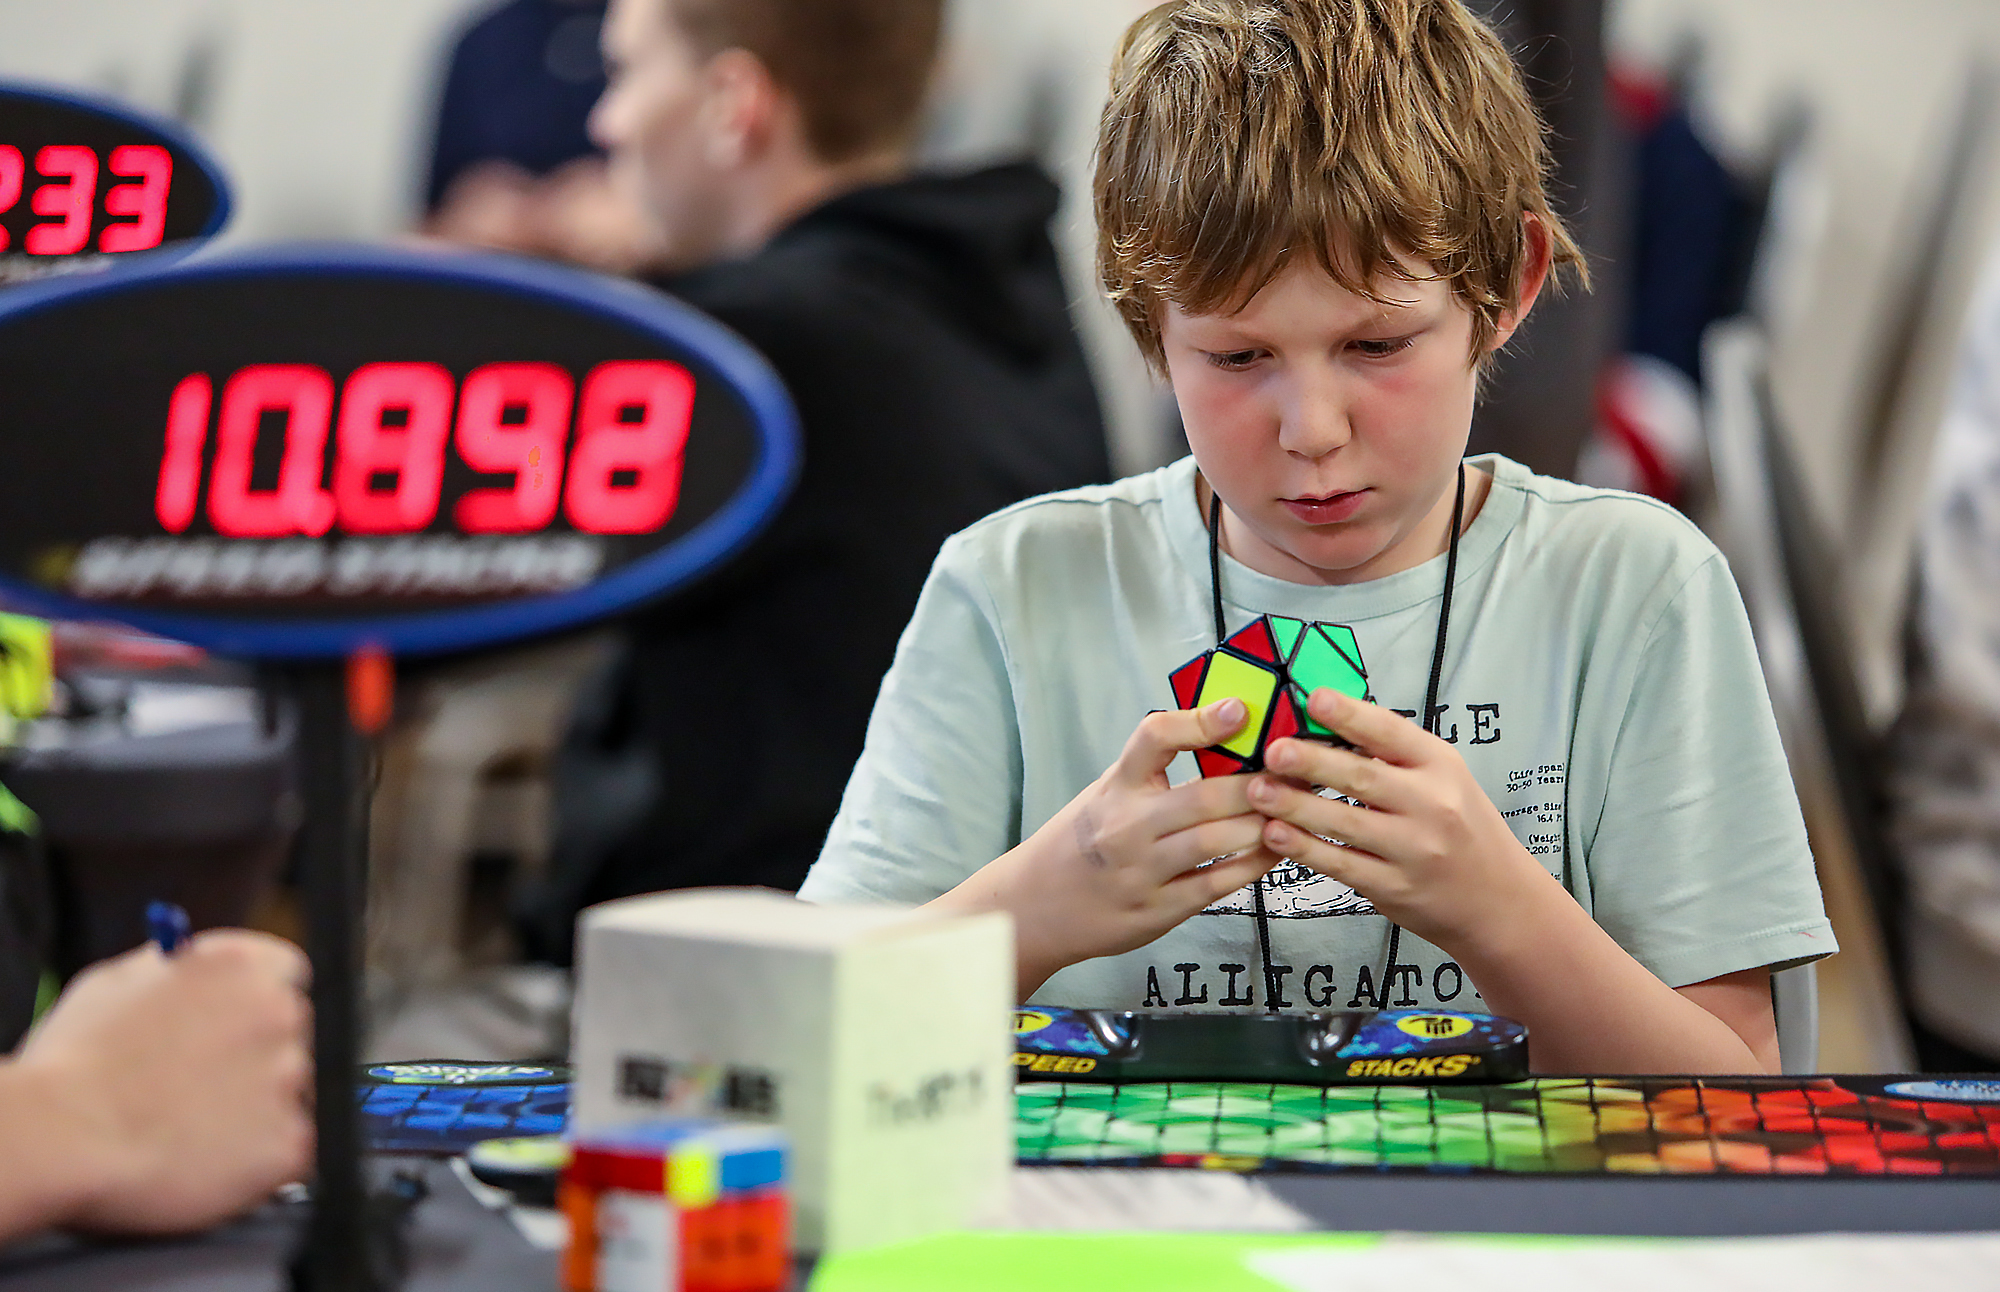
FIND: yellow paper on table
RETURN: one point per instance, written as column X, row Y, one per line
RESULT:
column 27, row 671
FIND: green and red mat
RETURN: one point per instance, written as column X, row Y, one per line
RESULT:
column 1854, row 1126
column 1579, row 1125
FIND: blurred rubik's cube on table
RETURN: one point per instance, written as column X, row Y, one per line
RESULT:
column 677, row 1206
column 1271, row 664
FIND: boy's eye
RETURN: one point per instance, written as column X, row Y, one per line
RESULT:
column 1233, row 359
column 1383, row 349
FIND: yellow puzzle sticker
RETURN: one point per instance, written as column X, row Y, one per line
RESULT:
column 1435, row 1027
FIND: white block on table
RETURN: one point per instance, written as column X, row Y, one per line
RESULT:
column 880, row 1039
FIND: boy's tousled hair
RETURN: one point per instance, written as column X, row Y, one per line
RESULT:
column 859, row 69
column 1240, row 132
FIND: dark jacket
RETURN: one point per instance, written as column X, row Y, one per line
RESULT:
column 921, row 328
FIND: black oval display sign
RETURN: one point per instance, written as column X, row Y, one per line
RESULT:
column 84, row 183
column 292, row 454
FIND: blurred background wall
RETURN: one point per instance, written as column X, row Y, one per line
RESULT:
column 320, row 110
column 1881, row 87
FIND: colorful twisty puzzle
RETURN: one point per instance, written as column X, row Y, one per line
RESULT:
column 1272, row 665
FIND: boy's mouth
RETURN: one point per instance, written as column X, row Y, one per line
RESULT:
column 1326, row 510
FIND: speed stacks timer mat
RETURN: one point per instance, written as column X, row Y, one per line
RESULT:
column 1310, row 1049
column 443, row 1106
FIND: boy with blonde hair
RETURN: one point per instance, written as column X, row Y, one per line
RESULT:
column 1320, row 218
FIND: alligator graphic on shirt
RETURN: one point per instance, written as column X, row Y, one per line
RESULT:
column 1294, row 892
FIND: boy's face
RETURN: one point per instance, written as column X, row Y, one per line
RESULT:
column 651, row 121
column 1330, row 425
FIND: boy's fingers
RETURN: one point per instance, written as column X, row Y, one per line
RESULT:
column 1374, row 730
column 1358, row 868
column 1161, row 736
column 1196, row 889
column 1208, row 799
column 1308, row 763
column 1359, row 827
column 1189, row 848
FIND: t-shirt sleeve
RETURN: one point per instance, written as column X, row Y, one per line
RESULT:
column 936, row 792
column 1698, row 862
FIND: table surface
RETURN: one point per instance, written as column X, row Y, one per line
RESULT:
column 1584, row 1156
column 456, row 1245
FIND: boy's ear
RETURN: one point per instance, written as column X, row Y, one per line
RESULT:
column 741, row 104
column 1535, row 264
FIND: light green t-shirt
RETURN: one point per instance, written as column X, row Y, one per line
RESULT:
column 1599, row 680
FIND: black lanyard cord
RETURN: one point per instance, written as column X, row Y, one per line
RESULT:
column 1429, row 719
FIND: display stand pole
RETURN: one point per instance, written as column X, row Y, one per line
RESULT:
column 353, row 1242
column 311, row 596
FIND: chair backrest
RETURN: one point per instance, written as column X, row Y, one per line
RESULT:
column 1795, row 1006
column 1823, row 662
column 1917, row 361
column 1790, row 584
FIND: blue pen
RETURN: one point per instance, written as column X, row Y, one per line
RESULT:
column 167, row 925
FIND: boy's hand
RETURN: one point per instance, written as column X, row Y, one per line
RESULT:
column 1124, row 861
column 1429, row 849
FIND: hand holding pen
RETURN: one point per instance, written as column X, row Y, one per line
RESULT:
column 177, row 1083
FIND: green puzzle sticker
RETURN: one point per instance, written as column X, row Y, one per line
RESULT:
column 1286, row 632
column 1321, row 655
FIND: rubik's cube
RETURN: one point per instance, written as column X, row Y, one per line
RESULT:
column 1272, row 665
column 677, row 1206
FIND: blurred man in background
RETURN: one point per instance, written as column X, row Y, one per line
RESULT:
column 920, row 325
column 512, row 166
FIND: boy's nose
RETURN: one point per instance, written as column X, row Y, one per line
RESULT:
column 1314, row 421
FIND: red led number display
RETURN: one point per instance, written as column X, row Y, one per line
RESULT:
column 513, row 418
column 619, row 474
column 65, row 185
